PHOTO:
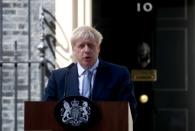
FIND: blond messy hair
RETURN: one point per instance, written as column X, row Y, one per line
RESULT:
column 86, row 33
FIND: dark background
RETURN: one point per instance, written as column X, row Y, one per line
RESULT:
column 168, row 30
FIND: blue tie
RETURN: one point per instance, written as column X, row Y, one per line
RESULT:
column 86, row 91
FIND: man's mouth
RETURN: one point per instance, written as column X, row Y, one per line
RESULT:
column 87, row 57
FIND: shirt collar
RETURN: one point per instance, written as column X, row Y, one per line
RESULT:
column 81, row 69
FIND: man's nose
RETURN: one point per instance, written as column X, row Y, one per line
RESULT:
column 86, row 48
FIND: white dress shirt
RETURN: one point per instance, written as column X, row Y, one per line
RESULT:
column 81, row 74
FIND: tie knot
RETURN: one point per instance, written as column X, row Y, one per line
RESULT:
column 87, row 72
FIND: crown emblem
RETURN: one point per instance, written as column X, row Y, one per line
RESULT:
column 75, row 111
column 75, row 103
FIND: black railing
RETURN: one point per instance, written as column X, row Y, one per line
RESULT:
column 42, row 62
column 42, row 67
column 1, row 71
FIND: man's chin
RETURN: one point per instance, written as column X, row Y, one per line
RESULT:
column 88, row 65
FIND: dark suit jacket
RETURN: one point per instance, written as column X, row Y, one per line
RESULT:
column 112, row 83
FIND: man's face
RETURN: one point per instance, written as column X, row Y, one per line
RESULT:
column 86, row 52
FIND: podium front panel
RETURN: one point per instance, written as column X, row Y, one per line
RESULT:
column 114, row 116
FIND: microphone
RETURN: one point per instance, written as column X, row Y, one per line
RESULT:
column 90, row 87
column 91, row 84
column 66, row 78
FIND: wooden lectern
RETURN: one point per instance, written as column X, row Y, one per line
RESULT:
column 115, row 116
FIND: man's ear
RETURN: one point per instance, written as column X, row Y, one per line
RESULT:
column 99, row 48
column 73, row 58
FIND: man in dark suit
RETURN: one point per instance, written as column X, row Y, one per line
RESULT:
column 109, row 82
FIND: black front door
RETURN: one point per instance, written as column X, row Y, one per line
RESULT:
column 153, row 35
column 128, row 31
column 174, row 52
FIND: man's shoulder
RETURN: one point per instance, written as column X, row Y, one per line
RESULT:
column 112, row 65
column 64, row 69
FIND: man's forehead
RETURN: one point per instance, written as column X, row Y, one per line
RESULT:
column 86, row 41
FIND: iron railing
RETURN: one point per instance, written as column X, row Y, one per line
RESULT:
column 42, row 67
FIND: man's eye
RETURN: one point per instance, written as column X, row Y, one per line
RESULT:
column 91, row 46
column 81, row 46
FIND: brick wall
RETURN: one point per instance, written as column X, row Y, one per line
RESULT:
column 16, row 28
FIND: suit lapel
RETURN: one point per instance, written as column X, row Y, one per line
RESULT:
column 72, row 87
column 99, row 82
column 72, row 82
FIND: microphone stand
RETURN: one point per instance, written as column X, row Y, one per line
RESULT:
column 90, row 87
